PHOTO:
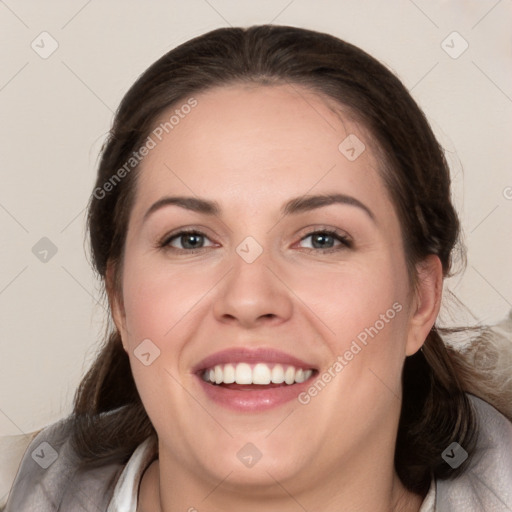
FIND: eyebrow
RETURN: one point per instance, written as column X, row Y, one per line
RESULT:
column 293, row 206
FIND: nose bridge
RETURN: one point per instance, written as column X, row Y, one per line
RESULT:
column 251, row 290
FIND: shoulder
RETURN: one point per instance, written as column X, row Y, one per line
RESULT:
column 50, row 478
column 486, row 483
column 488, row 360
column 12, row 449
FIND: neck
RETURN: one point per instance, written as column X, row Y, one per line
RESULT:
column 164, row 491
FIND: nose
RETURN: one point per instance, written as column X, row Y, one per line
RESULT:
column 253, row 294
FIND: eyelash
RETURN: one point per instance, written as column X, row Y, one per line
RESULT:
column 346, row 242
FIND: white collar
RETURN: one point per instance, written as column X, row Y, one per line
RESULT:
column 126, row 492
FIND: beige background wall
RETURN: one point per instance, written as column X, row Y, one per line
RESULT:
column 56, row 111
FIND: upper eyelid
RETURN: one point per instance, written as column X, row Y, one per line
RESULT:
column 185, row 231
column 306, row 230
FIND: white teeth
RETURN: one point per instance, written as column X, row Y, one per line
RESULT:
column 289, row 375
column 218, row 374
column 277, row 374
column 243, row 373
column 229, row 374
column 261, row 374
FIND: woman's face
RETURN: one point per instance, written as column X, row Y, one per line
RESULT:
column 261, row 288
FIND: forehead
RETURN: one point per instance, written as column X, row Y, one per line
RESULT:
column 245, row 143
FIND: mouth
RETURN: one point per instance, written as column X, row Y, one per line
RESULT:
column 253, row 381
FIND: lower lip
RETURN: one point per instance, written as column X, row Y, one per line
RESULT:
column 253, row 399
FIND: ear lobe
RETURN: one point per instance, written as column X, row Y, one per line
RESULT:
column 115, row 301
column 427, row 302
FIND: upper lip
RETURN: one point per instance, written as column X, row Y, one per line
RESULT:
column 247, row 355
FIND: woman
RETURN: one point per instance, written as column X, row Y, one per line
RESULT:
column 272, row 221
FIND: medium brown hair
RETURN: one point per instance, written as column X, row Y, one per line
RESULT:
column 435, row 409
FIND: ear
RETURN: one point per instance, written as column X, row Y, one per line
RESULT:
column 426, row 303
column 116, row 302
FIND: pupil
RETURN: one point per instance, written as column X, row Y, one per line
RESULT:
column 191, row 236
column 321, row 237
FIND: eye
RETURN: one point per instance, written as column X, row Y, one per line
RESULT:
column 193, row 241
column 190, row 241
column 324, row 239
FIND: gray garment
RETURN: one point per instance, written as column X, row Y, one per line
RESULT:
column 48, row 479
column 485, row 486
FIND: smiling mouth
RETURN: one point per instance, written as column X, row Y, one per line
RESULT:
column 247, row 376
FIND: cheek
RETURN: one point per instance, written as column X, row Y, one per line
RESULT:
column 159, row 300
column 358, row 298
column 159, row 306
column 366, row 311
